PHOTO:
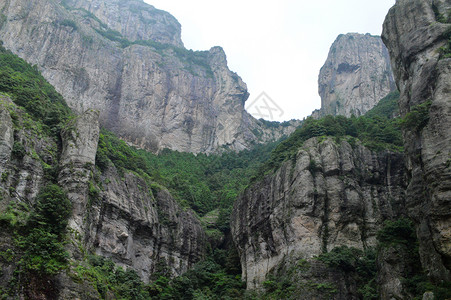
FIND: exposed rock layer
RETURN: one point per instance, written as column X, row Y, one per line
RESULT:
column 133, row 221
column 414, row 32
column 125, row 59
column 355, row 76
column 331, row 195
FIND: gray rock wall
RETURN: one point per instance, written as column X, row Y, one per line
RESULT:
column 355, row 76
column 158, row 95
column 414, row 32
column 131, row 220
column 123, row 216
column 331, row 195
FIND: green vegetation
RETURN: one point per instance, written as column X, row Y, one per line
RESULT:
column 292, row 278
column 39, row 238
column 441, row 17
column 356, row 264
column 204, row 183
column 445, row 51
column 400, row 234
column 417, row 118
column 18, row 150
column 386, row 108
column 274, row 124
column 400, row 231
column 107, row 279
column 68, row 23
column 201, row 182
column 27, row 88
column 376, row 130
column 216, row 277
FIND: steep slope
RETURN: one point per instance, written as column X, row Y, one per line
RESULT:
column 48, row 153
column 331, row 194
column 125, row 59
column 417, row 34
column 355, row 76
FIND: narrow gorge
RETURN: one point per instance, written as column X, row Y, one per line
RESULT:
column 129, row 168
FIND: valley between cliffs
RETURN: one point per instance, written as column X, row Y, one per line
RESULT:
column 129, row 168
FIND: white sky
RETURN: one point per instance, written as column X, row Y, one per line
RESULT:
column 277, row 47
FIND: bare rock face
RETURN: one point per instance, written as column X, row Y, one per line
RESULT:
column 355, row 76
column 77, row 161
column 131, row 220
column 122, row 216
column 416, row 33
column 126, row 60
column 140, row 225
column 135, row 20
column 330, row 195
column 24, row 151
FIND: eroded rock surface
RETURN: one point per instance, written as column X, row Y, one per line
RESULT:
column 355, row 76
column 121, row 215
column 416, row 33
column 330, row 195
column 126, row 60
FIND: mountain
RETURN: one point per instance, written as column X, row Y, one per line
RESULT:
column 126, row 59
column 338, row 213
column 56, row 204
column 343, row 208
column 355, row 76
column 417, row 34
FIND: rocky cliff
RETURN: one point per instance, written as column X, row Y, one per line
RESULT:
column 122, row 216
column 355, row 76
column 332, row 194
column 417, row 34
column 126, row 60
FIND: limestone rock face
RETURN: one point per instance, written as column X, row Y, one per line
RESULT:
column 22, row 172
column 414, row 32
column 129, row 220
column 355, row 76
column 330, row 195
column 135, row 19
column 140, row 226
column 126, row 60
column 77, row 161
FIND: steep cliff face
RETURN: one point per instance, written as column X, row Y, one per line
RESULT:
column 125, row 59
column 417, row 34
column 135, row 20
column 355, row 76
column 124, row 217
column 332, row 194
column 121, row 216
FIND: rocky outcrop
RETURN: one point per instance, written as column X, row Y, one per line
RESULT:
column 135, row 20
column 417, row 34
column 355, row 76
column 123, row 216
column 27, row 154
column 26, row 158
column 331, row 194
column 6, row 134
column 80, row 139
column 140, row 225
column 125, row 59
column 131, row 220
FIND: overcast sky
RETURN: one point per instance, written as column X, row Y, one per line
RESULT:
column 277, row 47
